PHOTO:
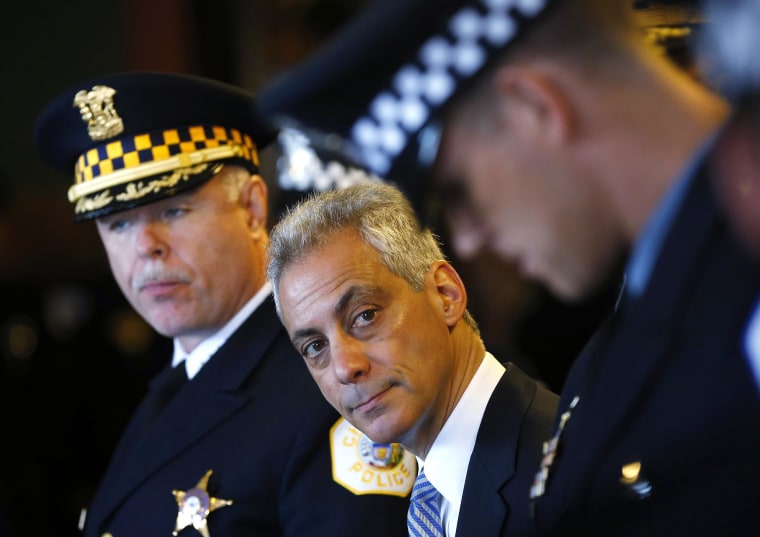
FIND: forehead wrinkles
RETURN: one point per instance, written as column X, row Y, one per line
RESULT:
column 305, row 289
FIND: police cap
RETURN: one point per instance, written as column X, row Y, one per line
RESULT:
column 372, row 92
column 134, row 138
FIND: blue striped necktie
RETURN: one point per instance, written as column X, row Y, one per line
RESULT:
column 424, row 516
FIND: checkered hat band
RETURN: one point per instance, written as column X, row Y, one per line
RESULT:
column 135, row 151
column 469, row 39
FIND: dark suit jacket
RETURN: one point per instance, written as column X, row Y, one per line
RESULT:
column 517, row 420
column 666, row 384
column 256, row 418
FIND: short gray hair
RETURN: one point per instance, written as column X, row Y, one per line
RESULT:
column 233, row 181
column 382, row 216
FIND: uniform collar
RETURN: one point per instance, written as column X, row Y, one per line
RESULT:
column 196, row 359
column 649, row 243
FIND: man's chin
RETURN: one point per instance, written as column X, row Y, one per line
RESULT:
column 376, row 431
column 167, row 328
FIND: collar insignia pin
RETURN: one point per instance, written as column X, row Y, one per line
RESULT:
column 194, row 506
column 550, row 453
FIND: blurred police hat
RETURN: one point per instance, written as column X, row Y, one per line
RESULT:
column 134, row 138
column 374, row 92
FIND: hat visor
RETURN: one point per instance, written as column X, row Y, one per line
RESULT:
column 143, row 191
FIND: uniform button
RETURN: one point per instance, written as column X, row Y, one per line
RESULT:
column 632, row 478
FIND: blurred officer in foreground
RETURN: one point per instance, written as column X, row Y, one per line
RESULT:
column 561, row 139
column 232, row 438
column 381, row 320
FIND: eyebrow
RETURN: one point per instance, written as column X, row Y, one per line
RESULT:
column 342, row 304
column 304, row 333
column 354, row 291
column 338, row 310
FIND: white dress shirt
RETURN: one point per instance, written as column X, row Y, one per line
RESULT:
column 449, row 456
column 195, row 360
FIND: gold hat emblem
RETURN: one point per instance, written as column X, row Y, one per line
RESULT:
column 98, row 112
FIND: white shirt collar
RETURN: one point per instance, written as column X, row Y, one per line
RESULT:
column 449, row 457
column 195, row 360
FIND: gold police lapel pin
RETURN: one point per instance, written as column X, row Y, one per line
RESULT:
column 366, row 467
column 194, row 506
column 98, row 112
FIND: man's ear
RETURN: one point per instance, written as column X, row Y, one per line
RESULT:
column 533, row 100
column 450, row 291
column 253, row 198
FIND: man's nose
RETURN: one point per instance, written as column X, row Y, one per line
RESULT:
column 150, row 241
column 349, row 360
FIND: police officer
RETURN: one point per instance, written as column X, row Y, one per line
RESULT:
column 232, row 437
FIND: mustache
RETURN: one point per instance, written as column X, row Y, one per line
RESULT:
column 158, row 272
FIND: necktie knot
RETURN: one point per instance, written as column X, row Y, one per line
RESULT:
column 424, row 517
column 169, row 386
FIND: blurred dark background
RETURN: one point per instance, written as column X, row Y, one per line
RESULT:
column 74, row 358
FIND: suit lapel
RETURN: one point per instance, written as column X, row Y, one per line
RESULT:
column 207, row 401
column 484, row 510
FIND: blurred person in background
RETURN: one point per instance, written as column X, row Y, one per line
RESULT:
column 728, row 48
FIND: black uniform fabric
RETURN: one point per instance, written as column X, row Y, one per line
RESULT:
column 253, row 416
column 666, row 387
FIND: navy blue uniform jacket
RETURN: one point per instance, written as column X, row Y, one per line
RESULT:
column 665, row 388
column 517, row 420
column 254, row 416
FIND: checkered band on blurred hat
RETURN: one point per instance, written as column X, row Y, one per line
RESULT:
column 376, row 90
column 134, row 138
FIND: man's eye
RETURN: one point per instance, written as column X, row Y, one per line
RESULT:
column 173, row 212
column 365, row 317
column 117, row 225
column 312, row 349
column 453, row 193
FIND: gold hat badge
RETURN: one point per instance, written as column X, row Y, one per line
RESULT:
column 97, row 109
column 194, row 506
